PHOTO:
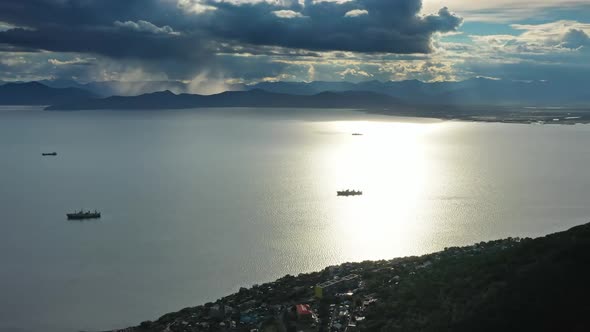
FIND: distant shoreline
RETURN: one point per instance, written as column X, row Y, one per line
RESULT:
column 485, row 114
column 495, row 114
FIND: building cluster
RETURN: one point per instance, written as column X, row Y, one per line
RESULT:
column 327, row 301
column 336, row 299
column 331, row 286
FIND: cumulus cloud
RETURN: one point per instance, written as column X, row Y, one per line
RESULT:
column 426, row 71
column 553, row 51
column 354, row 72
column 194, row 6
column 445, row 21
column 287, row 14
column 74, row 61
column 554, row 37
column 504, row 10
column 395, row 26
column 356, row 12
column 145, row 26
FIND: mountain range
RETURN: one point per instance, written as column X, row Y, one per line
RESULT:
column 250, row 98
column 476, row 91
column 468, row 93
column 35, row 93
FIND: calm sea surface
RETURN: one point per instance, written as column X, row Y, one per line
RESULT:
column 197, row 203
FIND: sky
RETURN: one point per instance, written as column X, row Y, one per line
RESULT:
column 217, row 43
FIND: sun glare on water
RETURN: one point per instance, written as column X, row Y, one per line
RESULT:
column 389, row 163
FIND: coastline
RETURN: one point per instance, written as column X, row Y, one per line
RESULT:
column 485, row 114
column 495, row 114
column 476, row 113
column 360, row 296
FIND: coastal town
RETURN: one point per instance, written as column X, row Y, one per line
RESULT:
column 338, row 299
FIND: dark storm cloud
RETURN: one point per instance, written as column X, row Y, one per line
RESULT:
column 74, row 13
column 385, row 26
column 96, row 27
column 103, row 26
column 113, row 42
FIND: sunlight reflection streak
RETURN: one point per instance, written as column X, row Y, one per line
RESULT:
column 389, row 164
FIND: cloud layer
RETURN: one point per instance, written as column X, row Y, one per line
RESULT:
column 245, row 41
column 183, row 29
column 392, row 26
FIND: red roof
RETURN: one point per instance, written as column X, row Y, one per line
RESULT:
column 303, row 309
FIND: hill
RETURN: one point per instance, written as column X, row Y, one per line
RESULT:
column 251, row 98
column 505, row 285
column 530, row 285
column 34, row 93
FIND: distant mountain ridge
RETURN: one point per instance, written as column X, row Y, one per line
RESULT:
column 250, row 98
column 476, row 91
column 472, row 92
column 35, row 93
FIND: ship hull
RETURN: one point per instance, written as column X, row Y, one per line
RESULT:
column 83, row 216
column 349, row 193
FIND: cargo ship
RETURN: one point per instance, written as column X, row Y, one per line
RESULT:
column 83, row 215
column 349, row 193
column 49, row 154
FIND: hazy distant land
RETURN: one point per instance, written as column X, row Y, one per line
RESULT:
column 365, row 101
column 478, row 100
column 503, row 114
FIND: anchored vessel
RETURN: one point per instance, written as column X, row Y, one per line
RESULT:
column 83, row 215
column 349, row 193
column 49, row 154
column 357, row 134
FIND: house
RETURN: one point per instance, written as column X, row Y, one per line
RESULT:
column 304, row 312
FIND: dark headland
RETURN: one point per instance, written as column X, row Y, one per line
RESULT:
column 514, row 284
column 367, row 101
column 250, row 98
